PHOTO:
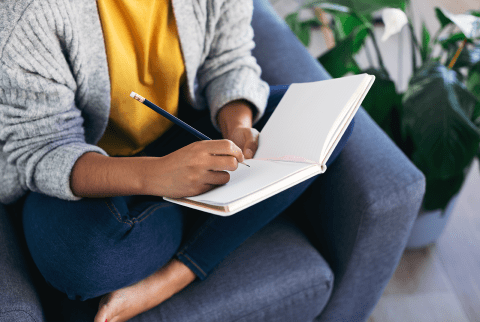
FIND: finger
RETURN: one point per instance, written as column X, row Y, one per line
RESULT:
column 222, row 163
column 217, row 177
column 251, row 145
column 226, row 147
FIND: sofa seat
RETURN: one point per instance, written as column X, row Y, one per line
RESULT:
column 281, row 274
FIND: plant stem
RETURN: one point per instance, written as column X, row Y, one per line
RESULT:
column 459, row 50
column 379, row 56
column 400, row 58
column 369, row 56
column 413, row 40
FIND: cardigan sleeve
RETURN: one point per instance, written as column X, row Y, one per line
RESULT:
column 41, row 127
column 230, row 72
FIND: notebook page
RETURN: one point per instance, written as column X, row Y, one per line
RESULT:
column 344, row 120
column 303, row 118
column 245, row 181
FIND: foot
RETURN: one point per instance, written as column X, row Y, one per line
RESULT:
column 123, row 304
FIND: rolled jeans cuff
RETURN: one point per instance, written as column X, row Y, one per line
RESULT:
column 190, row 263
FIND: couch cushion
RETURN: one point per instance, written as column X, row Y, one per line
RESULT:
column 18, row 298
column 276, row 275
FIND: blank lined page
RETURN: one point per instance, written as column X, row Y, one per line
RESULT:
column 245, row 181
column 303, row 118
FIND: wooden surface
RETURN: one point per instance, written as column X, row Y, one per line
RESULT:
column 440, row 283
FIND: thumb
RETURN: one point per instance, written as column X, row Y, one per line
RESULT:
column 250, row 149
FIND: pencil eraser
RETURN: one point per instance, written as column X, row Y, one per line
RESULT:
column 132, row 94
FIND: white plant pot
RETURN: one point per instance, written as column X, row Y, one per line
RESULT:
column 429, row 225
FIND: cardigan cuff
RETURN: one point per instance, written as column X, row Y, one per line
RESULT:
column 52, row 173
column 235, row 85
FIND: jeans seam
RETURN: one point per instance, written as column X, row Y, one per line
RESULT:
column 145, row 215
column 130, row 222
column 195, row 237
column 115, row 213
column 193, row 263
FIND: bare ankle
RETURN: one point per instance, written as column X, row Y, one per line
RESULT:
column 181, row 271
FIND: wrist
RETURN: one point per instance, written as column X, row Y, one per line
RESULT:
column 235, row 114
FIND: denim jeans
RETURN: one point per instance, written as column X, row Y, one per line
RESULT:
column 93, row 246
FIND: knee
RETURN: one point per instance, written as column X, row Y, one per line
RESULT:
column 84, row 251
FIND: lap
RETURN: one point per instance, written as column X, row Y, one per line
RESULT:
column 70, row 241
column 93, row 246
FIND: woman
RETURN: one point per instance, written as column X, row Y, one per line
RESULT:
column 91, row 165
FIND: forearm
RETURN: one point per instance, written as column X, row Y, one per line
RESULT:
column 96, row 176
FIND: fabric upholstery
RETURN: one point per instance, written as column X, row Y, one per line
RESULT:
column 19, row 300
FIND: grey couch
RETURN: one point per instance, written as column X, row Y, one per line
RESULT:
column 333, row 270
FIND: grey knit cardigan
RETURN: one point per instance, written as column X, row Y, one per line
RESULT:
column 55, row 87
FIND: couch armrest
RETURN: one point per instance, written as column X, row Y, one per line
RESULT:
column 370, row 199
column 19, row 300
column 370, row 195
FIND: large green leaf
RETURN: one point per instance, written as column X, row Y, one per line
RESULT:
column 473, row 85
column 438, row 192
column 437, row 112
column 468, row 57
column 381, row 99
column 363, row 6
column 339, row 60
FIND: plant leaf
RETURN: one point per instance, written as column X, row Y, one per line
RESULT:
column 473, row 13
column 468, row 57
column 438, row 192
column 425, row 49
column 442, row 18
column 437, row 113
column 300, row 28
column 339, row 60
column 473, row 85
column 453, row 39
column 346, row 23
column 362, row 6
column 381, row 99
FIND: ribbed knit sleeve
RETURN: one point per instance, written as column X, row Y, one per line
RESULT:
column 230, row 72
column 40, row 124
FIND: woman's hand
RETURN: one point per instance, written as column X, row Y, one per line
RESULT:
column 191, row 170
column 247, row 139
column 235, row 121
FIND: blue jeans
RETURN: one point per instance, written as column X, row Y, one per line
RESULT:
column 94, row 246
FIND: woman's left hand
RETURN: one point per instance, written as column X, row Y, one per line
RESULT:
column 246, row 138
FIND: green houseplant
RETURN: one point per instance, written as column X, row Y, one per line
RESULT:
column 436, row 121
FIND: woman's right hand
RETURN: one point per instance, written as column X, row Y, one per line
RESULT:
column 191, row 170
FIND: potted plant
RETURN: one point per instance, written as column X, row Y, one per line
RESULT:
column 436, row 120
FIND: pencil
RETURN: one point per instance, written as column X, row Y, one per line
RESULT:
column 172, row 118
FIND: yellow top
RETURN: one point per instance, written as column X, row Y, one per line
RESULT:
column 144, row 56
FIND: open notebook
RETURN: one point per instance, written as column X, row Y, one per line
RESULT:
column 294, row 145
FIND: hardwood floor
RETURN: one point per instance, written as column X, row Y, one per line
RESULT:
column 440, row 283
